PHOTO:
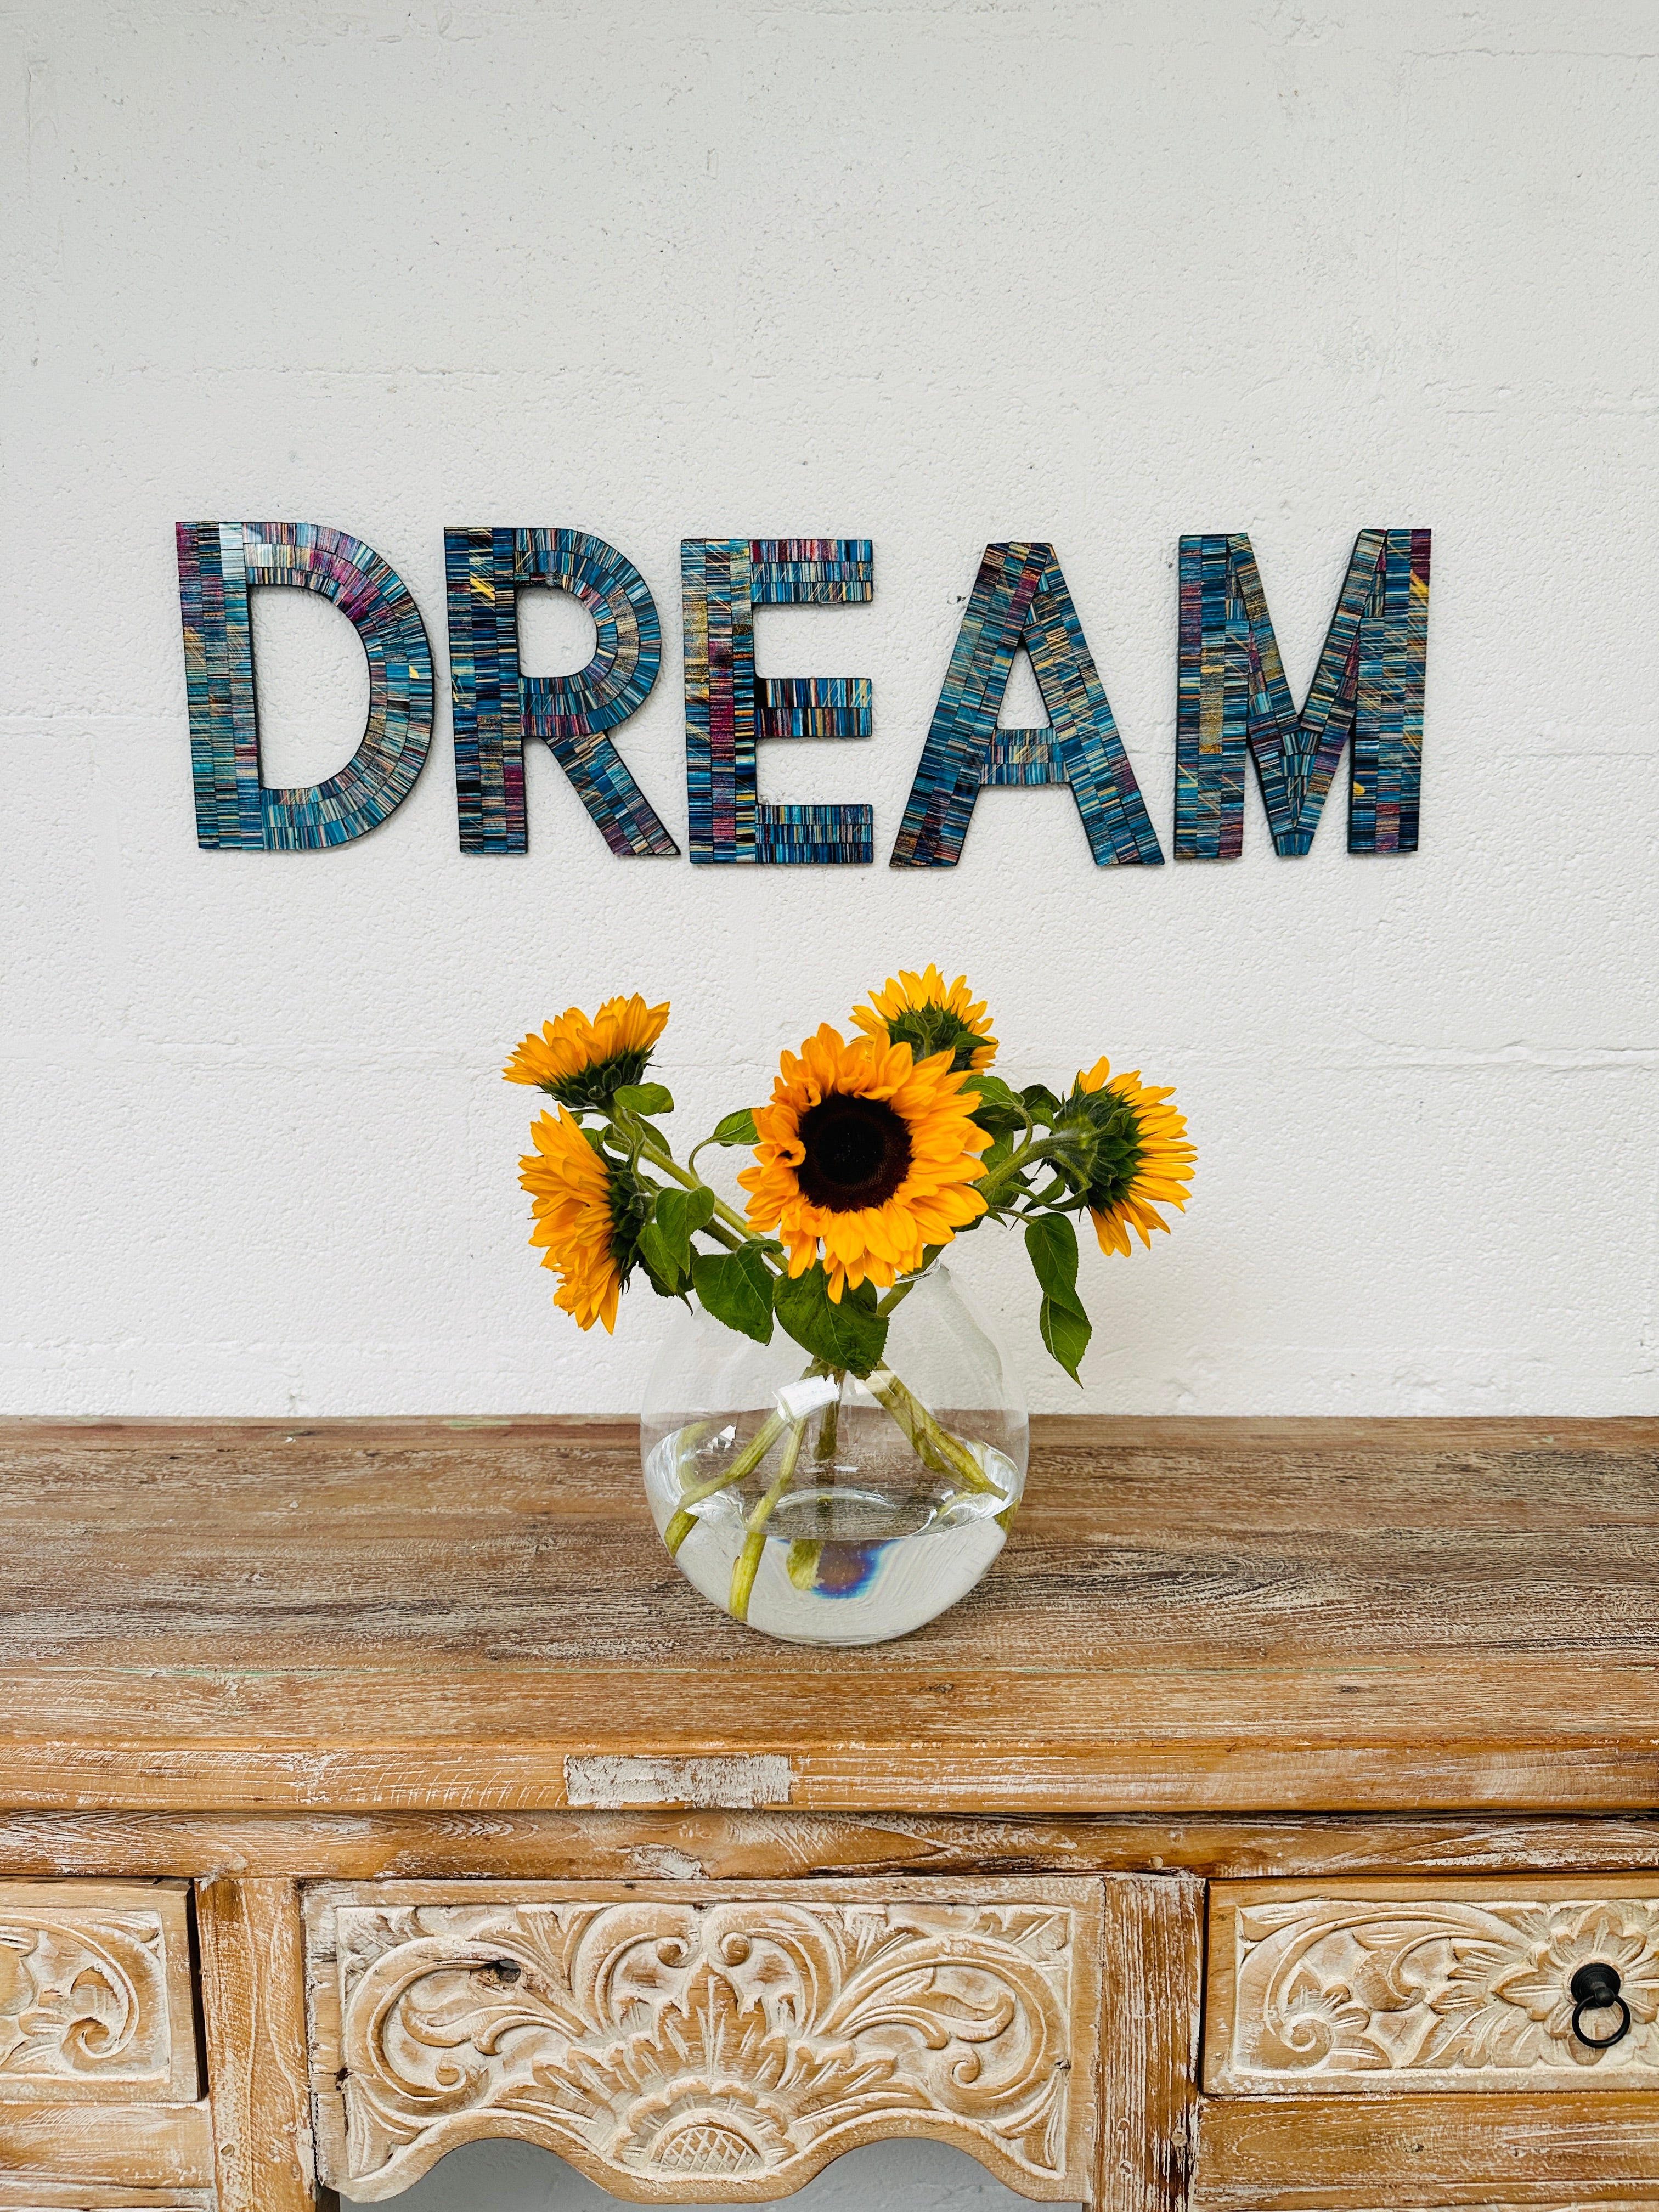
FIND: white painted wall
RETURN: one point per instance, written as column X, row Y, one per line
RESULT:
column 935, row 272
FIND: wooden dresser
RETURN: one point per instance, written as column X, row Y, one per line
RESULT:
column 1272, row 1830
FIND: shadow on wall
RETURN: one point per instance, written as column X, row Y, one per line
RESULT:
column 900, row 2177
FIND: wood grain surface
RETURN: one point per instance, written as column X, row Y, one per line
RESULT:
column 788, row 1845
column 1333, row 2154
column 164, row 2147
column 254, row 2012
column 1382, row 1988
column 1191, row 1617
column 1150, row 2046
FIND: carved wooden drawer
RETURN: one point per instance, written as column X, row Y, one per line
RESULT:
column 706, row 2041
column 96, row 2004
column 1520, row 1984
column 1412, row 2042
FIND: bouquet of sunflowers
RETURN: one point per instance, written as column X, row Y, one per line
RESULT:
column 874, row 1153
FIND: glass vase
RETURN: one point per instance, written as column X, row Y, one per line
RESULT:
column 822, row 1509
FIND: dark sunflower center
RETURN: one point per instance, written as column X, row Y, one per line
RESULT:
column 858, row 1152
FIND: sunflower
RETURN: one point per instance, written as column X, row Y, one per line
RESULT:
column 1143, row 1156
column 581, row 1062
column 578, row 1217
column 868, row 1152
column 923, row 1012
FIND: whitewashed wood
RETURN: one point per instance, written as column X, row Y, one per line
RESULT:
column 1448, row 1986
column 715, row 1846
column 1152, row 1988
column 253, row 2008
column 719, row 2043
column 1306, row 2153
column 94, row 1994
column 35, row 2196
column 155, row 2147
column 28, row 2196
column 1189, row 1617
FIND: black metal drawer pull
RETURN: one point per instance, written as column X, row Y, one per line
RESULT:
column 1595, row 1988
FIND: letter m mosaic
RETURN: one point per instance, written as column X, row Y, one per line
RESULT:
column 1367, row 693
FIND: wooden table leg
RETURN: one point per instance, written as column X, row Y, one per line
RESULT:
column 1150, row 2011
column 254, row 2017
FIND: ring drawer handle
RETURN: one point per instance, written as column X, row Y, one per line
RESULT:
column 1595, row 1988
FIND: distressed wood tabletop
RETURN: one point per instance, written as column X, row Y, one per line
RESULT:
column 1190, row 1616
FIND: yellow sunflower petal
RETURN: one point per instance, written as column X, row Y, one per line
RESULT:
column 570, row 1045
column 913, row 1009
column 1163, row 1169
column 570, row 1199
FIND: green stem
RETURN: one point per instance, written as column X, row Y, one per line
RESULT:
column 802, row 1564
column 746, row 1461
column 665, row 1159
column 996, row 1189
column 746, row 1565
column 929, row 1440
column 829, row 1425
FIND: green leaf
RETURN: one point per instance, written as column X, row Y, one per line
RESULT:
column 852, row 1335
column 737, row 1128
column 993, row 1090
column 1051, row 1246
column 998, row 1109
column 675, row 1219
column 1040, row 1101
column 991, row 1160
column 645, row 1098
column 1065, row 1331
column 736, row 1288
column 661, row 1263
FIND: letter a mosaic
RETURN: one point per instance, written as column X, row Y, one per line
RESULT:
column 1020, row 598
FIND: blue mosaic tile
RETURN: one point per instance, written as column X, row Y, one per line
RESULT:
column 729, row 709
column 497, row 707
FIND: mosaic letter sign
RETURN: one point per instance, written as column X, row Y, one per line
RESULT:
column 496, row 708
column 1233, row 704
column 1367, row 692
column 729, row 709
column 217, row 563
column 1020, row 598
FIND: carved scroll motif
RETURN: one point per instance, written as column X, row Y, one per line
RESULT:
column 1347, row 1991
column 679, row 2050
column 84, row 2004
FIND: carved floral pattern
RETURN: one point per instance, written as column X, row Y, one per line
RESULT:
column 682, row 2049
column 1332, row 1987
column 83, row 1999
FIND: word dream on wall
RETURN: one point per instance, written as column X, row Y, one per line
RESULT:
column 1232, row 702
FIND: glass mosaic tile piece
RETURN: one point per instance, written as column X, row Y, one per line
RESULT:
column 729, row 709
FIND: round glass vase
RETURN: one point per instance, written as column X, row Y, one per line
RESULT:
column 822, row 1509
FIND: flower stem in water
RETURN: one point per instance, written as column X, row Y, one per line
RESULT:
column 745, row 1463
column 746, row 1565
column 929, row 1440
column 802, row 1564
